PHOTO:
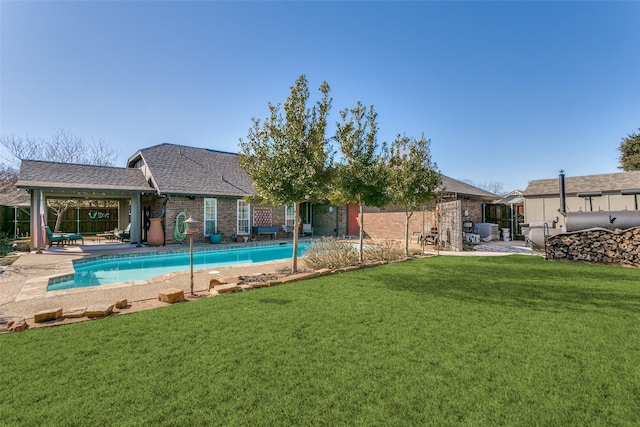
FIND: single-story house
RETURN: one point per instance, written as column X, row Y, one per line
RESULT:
column 167, row 180
column 606, row 192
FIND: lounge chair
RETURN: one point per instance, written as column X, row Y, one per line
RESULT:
column 72, row 237
column 57, row 238
column 307, row 229
column 123, row 235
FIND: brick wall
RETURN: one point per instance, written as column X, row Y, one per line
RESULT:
column 390, row 222
column 326, row 223
column 194, row 206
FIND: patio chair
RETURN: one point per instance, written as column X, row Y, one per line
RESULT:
column 54, row 238
column 307, row 229
column 287, row 230
column 123, row 235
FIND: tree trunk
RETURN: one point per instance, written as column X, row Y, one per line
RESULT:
column 407, row 215
column 296, row 228
column 361, row 219
column 59, row 211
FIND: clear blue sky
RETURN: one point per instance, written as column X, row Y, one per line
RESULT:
column 507, row 92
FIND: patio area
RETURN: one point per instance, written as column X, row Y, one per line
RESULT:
column 23, row 284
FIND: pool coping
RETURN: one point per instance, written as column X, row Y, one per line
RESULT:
column 36, row 287
column 70, row 272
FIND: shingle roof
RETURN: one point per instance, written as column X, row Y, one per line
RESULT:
column 55, row 176
column 178, row 169
column 577, row 184
column 454, row 186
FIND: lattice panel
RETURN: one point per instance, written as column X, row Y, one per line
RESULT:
column 262, row 217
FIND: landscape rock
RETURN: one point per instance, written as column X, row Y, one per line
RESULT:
column 171, row 295
column 225, row 288
column 13, row 324
column 47, row 315
column 99, row 311
column 214, row 282
column 75, row 312
column 256, row 285
column 122, row 303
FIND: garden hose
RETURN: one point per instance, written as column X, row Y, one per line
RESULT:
column 180, row 231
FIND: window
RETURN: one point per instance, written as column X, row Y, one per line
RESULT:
column 210, row 216
column 243, row 216
column 289, row 217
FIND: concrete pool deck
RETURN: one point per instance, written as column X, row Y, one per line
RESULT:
column 23, row 285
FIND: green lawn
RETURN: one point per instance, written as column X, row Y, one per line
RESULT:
column 441, row 341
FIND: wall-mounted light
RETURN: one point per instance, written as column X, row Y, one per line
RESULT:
column 330, row 208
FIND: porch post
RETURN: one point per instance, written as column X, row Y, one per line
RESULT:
column 123, row 214
column 35, row 229
column 136, row 222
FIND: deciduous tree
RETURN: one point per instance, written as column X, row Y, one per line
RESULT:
column 360, row 175
column 61, row 146
column 286, row 155
column 413, row 178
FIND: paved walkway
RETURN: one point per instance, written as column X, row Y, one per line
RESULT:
column 23, row 285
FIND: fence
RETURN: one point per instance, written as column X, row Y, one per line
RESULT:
column 77, row 220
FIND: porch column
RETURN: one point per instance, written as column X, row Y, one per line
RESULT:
column 123, row 214
column 136, row 221
column 35, row 229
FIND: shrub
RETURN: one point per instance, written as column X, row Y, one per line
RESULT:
column 330, row 252
column 6, row 244
column 383, row 250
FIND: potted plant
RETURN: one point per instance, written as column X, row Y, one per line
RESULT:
column 215, row 238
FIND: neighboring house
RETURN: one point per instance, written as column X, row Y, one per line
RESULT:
column 166, row 180
column 606, row 192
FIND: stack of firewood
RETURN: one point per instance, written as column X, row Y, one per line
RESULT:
column 597, row 245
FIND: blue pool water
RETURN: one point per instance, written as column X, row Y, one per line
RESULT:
column 108, row 270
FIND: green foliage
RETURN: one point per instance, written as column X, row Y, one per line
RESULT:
column 286, row 156
column 360, row 176
column 483, row 341
column 6, row 244
column 413, row 178
column 630, row 152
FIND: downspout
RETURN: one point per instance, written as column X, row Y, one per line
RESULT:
column 15, row 222
column 162, row 215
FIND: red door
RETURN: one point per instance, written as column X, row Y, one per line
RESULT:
column 353, row 228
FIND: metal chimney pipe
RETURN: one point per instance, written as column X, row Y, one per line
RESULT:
column 563, row 195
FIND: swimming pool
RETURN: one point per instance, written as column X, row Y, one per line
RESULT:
column 128, row 268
